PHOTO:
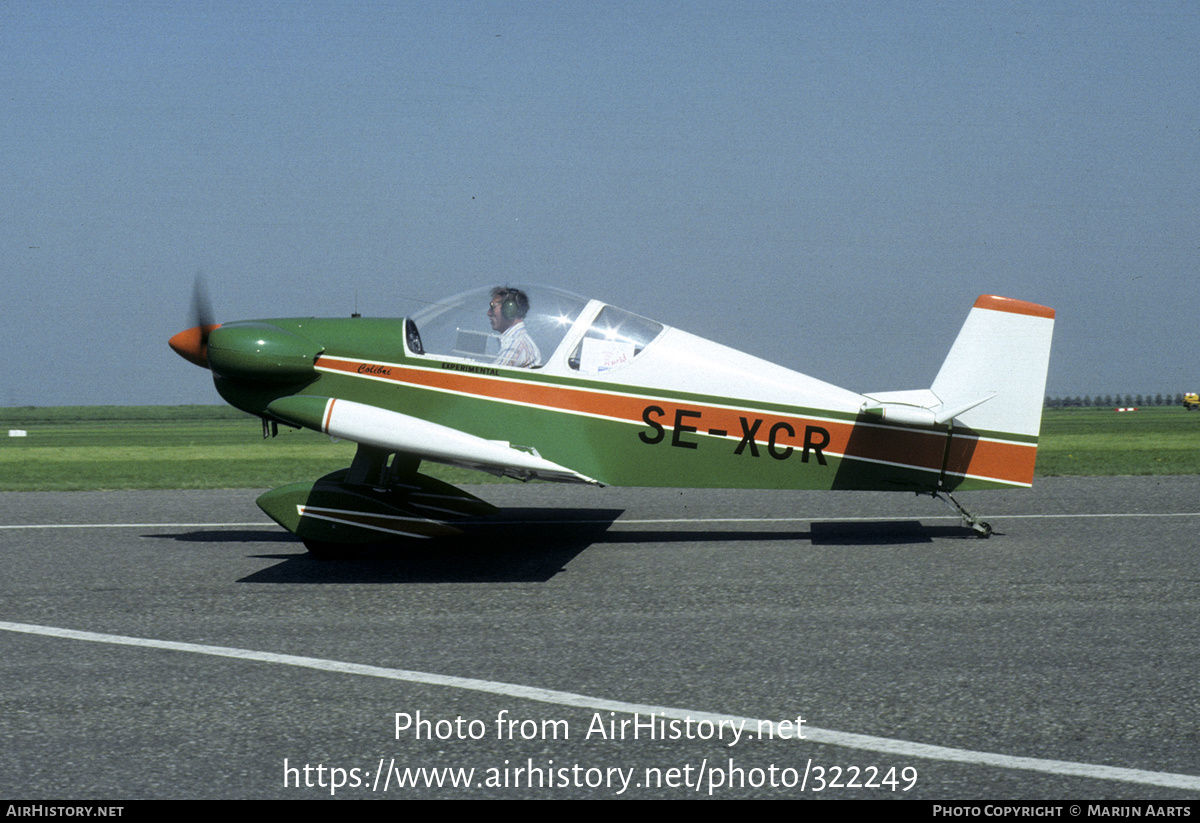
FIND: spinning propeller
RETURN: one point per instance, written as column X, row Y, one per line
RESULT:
column 192, row 344
column 254, row 352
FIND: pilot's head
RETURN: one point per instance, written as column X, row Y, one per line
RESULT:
column 507, row 307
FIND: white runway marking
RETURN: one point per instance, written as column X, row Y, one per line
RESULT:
column 834, row 738
column 139, row 525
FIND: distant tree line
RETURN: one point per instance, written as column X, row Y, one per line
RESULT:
column 1114, row 401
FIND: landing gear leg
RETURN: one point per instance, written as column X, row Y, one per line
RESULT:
column 969, row 520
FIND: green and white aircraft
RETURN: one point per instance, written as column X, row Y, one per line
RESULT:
column 567, row 389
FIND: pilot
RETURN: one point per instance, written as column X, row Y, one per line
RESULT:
column 507, row 311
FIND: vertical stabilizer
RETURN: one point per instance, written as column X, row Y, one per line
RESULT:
column 1002, row 351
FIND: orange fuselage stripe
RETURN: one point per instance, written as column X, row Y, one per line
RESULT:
column 999, row 460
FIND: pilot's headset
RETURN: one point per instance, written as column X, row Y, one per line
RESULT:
column 515, row 305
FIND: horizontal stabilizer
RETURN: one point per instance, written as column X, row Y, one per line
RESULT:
column 928, row 414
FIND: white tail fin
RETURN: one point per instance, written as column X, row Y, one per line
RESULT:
column 990, row 391
column 1002, row 354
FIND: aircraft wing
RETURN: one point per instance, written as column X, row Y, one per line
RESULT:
column 408, row 435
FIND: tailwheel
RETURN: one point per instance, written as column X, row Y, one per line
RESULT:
column 981, row 529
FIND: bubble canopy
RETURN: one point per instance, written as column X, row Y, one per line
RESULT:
column 570, row 331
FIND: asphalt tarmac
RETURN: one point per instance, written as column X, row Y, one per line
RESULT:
column 609, row 643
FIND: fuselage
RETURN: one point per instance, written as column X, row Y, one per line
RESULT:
column 661, row 408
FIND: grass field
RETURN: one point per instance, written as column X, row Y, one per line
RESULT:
column 165, row 447
column 1096, row 442
column 203, row 447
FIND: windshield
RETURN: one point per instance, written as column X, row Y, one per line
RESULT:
column 463, row 326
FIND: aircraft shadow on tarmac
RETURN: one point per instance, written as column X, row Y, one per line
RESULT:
column 534, row 545
column 267, row 534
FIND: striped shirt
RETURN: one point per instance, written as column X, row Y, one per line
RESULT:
column 517, row 348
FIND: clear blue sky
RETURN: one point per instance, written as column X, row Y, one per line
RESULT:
column 828, row 185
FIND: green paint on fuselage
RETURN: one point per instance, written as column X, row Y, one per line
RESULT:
column 614, row 452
